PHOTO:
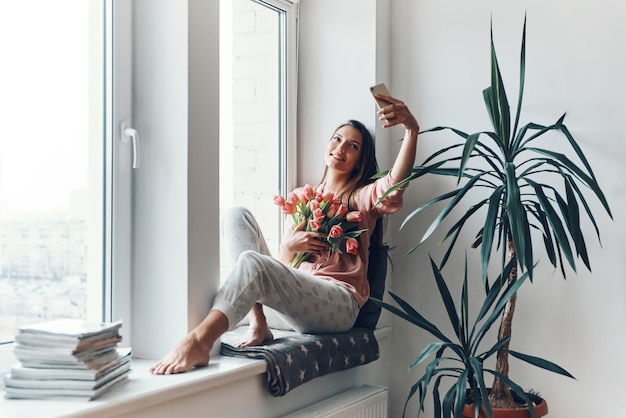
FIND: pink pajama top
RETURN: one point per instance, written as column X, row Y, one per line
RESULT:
column 348, row 270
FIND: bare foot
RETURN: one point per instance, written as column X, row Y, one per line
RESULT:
column 193, row 350
column 185, row 356
column 257, row 335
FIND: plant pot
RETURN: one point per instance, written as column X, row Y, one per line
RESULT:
column 540, row 410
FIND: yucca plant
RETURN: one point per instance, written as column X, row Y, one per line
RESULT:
column 523, row 188
column 461, row 358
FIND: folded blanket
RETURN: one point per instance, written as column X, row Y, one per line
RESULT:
column 293, row 358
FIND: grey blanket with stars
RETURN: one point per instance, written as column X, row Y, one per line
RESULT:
column 293, row 358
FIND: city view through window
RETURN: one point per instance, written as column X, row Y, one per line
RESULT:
column 43, row 161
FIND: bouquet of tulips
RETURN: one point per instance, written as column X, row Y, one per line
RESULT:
column 324, row 213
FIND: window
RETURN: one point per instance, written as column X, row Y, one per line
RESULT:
column 257, row 96
column 65, row 175
column 55, row 161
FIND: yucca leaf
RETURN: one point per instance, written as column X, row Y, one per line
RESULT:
column 542, row 363
column 495, row 348
column 441, row 128
column 413, row 248
column 450, row 172
column 417, row 320
column 477, row 367
column 447, row 300
column 494, row 291
column 518, row 221
column 470, row 143
column 561, row 161
column 555, row 223
column 464, row 308
column 499, row 102
column 415, row 173
column 456, row 229
column 460, row 393
column 417, row 386
column 437, row 398
column 443, row 150
column 489, row 229
column 583, row 159
column 510, row 290
column 538, row 213
column 380, row 174
column 455, row 200
column 422, row 322
column 487, row 150
column 589, row 180
column 571, row 215
column 426, row 378
column 427, row 204
column 497, row 310
column 582, row 199
column 541, row 129
column 426, row 352
column 448, row 402
column 522, row 75
column 459, row 224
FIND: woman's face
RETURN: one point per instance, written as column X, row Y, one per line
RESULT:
column 343, row 152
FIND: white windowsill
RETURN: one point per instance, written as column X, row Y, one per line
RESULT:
column 142, row 390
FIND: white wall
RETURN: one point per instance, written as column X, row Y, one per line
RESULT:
column 338, row 61
column 439, row 66
column 176, row 113
column 575, row 63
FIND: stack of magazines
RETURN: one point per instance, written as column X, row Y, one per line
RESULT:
column 67, row 358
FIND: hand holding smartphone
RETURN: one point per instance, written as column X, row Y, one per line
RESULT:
column 380, row 89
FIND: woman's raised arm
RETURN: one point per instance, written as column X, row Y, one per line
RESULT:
column 398, row 113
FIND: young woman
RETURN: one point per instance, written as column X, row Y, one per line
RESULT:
column 326, row 292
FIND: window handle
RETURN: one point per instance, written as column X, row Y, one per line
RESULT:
column 131, row 133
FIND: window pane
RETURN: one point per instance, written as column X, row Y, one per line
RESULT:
column 48, row 149
column 252, row 112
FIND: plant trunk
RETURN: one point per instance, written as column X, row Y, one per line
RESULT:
column 500, row 396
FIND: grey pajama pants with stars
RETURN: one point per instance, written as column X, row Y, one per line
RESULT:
column 306, row 303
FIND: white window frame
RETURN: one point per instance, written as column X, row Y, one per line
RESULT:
column 118, row 224
column 287, row 12
column 108, row 299
column 165, row 305
column 289, row 89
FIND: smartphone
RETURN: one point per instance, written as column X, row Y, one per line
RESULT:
column 380, row 89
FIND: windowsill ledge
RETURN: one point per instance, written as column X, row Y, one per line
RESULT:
column 141, row 391
column 144, row 390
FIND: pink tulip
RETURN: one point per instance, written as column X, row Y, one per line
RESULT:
column 342, row 210
column 328, row 196
column 292, row 198
column 354, row 216
column 314, row 204
column 332, row 210
column 314, row 225
column 336, row 231
column 318, row 215
column 279, row 200
column 352, row 246
column 308, row 192
column 289, row 208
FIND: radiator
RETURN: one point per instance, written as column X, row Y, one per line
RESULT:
column 360, row 402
